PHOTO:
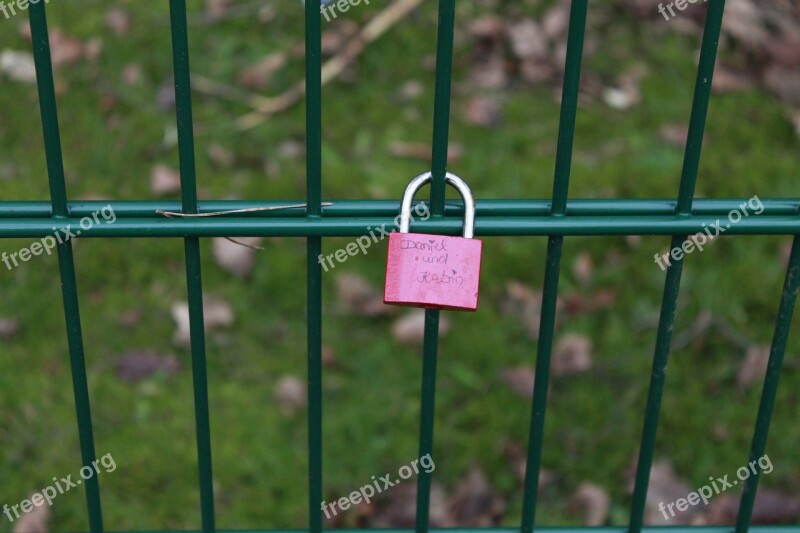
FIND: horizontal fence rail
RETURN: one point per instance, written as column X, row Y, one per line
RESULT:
column 494, row 219
column 315, row 218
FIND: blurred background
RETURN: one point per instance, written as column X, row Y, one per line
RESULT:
column 114, row 82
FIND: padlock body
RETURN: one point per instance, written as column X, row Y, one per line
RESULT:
column 433, row 271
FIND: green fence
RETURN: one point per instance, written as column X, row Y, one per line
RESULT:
column 555, row 219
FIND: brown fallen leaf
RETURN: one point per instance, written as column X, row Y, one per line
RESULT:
column 410, row 329
column 772, row 507
column 259, row 76
column 528, row 40
column 475, row 503
column 572, row 355
column 18, row 66
column 785, row 82
column 515, row 454
column 217, row 9
column 728, row 79
column 238, row 258
column 130, row 318
column 164, row 181
column 217, row 314
column 138, row 365
column 399, row 508
column 520, row 380
column 577, row 304
column 665, row 486
column 118, row 21
column 410, row 90
column 65, row 50
column 592, row 503
column 753, row 367
column 483, row 111
column 290, row 393
column 423, row 152
column 8, row 327
column 360, row 296
column 583, row 268
column 35, row 521
column 526, row 305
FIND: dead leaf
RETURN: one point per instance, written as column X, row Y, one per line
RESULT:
column 665, row 486
column 754, row 366
column 8, row 327
column 528, row 40
column 593, row 503
column 217, row 9
column 238, row 259
column 360, row 296
column 131, row 74
column 577, row 304
column 34, row 521
column 259, row 76
column 771, row 507
column 515, row 454
column 410, row 90
column 487, row 27
column 526, row 304
column 220, row 156
column 556, row 21
column 475, row 503
column 785, row 82
column 423, row 152
column 18, row 66
column 65, row 50
column 728, row 79
column 217, row 314
column 290, row 393
column 583, row 268
column 137, row 365
column 130, row 319
column 164, row 181
column 572, row 355
column 483, row 111
column 674, row 134
column 118, row 21
column 400, row 511
column 410, row 329
column 520, row 380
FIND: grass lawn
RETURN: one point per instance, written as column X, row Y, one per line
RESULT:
column 114, row 132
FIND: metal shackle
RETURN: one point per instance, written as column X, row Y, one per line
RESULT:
column 451, row 179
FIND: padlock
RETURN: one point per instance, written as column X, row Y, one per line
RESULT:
column 434, row 271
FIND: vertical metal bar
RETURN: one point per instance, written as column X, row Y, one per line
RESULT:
column 313, row 39
column 691, row 164
column 194, row 283
column 66, row 262
column 656, row 392
column 441, row 108
column 566, row 135
column 702, row 95
column 782, row 327
column 441, row 134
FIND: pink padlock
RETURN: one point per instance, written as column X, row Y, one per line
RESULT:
column 434, row 271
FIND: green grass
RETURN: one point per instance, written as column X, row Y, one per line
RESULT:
column 372, row 399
